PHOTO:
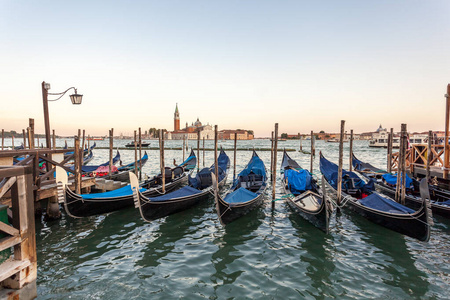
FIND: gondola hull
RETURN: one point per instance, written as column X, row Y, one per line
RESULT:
column 318, row 217
column 229, row 213
column 78, row 207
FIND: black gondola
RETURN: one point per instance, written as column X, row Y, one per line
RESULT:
column 304, row 195
column 99, row 203
column 198, row 189
column 246, row 193
column 131, row 144
column 385, row 182
column 380, row 209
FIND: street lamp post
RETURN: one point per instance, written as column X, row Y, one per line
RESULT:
column 75, row 98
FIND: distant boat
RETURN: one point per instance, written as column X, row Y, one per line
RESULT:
column 95, row 139
column 131, row 144
column 334, row 140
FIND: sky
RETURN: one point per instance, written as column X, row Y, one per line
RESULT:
column 237, row 64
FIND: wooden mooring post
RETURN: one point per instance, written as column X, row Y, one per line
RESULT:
column 135, row 154
column 389, row 150
column 312, row 152
column 54, row 140
column 140, row 154
column 77, row 166
column 446, row 144
column 341, row 156
column 111, row 144
column 3, row 139
column 216, row 163
column 198, row 149
column 161, row 158
column 203, row 152
column 274, row 168
column 184, row 143
column 429, row 155
column 24, row 136
column 234, row 161
column 271, row 155
column 20, row 271
column 350, row 166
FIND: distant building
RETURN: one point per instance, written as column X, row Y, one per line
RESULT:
column 230, row 134
column 189, row 132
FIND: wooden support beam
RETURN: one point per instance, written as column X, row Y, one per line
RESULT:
column 341, row 155
column 111, row 145
column 77, row 158
column 24, row 136
column 403, row 177
column 274, row 169
column 350, row 164
column 429, row 155
column 140, row 154
column 312, row 152
column 447, row 123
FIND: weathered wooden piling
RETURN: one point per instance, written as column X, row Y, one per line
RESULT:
column 84, row 138
column 389, row 150
column 77, row 158
column 161, row 157
column 203, row 152
column 274, row 168
column 198, row 149
column 54, row 140
column 429, row 155
column 3, row 139
column 300, row 140
column 271, row 155
column 12, row 141
column 446, row 144
column 111, row 144
column 140, row 154
column 312, row 152
column 216, row 163
column 403, row 177
column 350, row 166
column 341, row 156
column 234, row 162
column 135, row 154
column 184, row 143
column 24, row 136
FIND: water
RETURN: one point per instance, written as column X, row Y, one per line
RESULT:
column 268, row 254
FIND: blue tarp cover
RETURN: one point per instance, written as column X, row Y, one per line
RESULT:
column 446, row 203
column 223, row 161
column 190, row 162
column 255, row 165
column 299, row 181
column 330, row 171
column 123, row 191
column 183, row 192
column 392, row 179
column 241, row 195
column 377, row 202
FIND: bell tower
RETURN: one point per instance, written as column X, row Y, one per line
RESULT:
column 176, row 119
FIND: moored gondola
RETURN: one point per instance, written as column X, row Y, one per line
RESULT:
column 386, row 183
column 85, row 205
column 198, row 189
column 304, row 195
column 360, row 197
column 246, row 193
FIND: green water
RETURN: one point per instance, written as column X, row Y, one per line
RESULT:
column 268, row 254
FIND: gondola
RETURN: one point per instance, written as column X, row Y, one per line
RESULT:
column 92, row 168
column 246, row 193
column 360, row 197
column 386, row 183
column 304, row 195
column 85, row 151
column 85, row 205
column 199, row 188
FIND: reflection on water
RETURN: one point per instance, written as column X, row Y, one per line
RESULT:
column 267, row 254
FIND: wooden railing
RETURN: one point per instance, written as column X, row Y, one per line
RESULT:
column 21, row 268
column 32, row 158
column 417, row 156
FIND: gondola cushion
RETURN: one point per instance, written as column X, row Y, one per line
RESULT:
column 183, row 192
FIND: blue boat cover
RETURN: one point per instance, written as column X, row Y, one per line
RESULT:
column 190, row 162
column 378, row 202
column 123, row 191
column 223, row 161
column 241, row 195
column 255, row 165
column 446, row 203
column 183, row 192
column 330, row 171
column 298, row 181
column 392, row 179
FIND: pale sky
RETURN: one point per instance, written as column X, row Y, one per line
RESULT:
column 238, row 64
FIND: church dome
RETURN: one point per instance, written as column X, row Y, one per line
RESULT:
column 197, row 123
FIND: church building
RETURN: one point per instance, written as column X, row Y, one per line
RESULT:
column 189, row 132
